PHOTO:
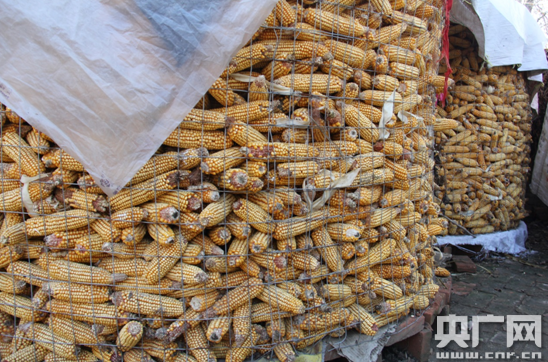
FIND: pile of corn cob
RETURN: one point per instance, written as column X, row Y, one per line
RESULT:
column 484, row 162
column 284, row 208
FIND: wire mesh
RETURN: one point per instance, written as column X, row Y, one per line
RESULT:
column 483, row 163
column 294, row 202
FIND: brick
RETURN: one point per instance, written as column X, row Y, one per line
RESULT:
column 406, row 329
column 463, row 264
column 446, row 288
column 432, row 312
column 447, row 249
column 419, row 344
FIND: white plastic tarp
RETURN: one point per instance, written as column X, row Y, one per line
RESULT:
column 506, row 32
column 509, row 242
column 110, row 80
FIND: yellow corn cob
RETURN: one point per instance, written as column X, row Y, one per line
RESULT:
column 158, row 165
column 147, row 304
column 354, row 118
column 194, row 253
column 236, row 298
column 254, row 215
column 216, row 212
column 79, row 273
column 321, row 83
column 445, row 124
column 328, row 249
column 279, row 67
column 222, row 92
column 147, row 190
column 163, row 234
column 30, row 273
column 66, row 220
column 340, row 69
column 10, row 171
column 128, row 217
column 299, row 225
column 220, row 235
column 255, row 169
column 332, row 292
column 222, row 160
column 325, row 321
column 277, row 150
column 189, row 319
column 27, row 354
column 131, row 267
column 74, row 331
column 200, row 119
column 420, row 302
column 234, row 179
column 159, row 212
column 385, row 288
column 247, row 112
column 46, row 338
column 442, row 272
column 18, row 149
column 281, row 299
column 162, row 351
column 304, row 261
column 184, row 201
column 331, row 22
column 77, row 293
column 350, row 55
column 135, row 355
column 63, row 160
column 343, row 232
column 20, row 307
column 217, row 328
column 241, row 323
column 258, row 90
column 129, row 336
column 237, row 252
column 92, row 313
column 133, row 235
column 378, row 98
column 243, row 134
column 376, row 255
column 252, row 269
column 166, row 258
column 190, row 138
column 10, row 197
column 239, row 354
column 9, row 284
column 403, row 71
column 246, row 57
column 87, row 183
column 297, row 169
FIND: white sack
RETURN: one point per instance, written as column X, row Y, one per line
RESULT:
column 110, row 80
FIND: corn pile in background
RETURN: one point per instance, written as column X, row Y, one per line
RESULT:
column 484, row 162
column 237, row 236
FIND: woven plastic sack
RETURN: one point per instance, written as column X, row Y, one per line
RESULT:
column 109, row 81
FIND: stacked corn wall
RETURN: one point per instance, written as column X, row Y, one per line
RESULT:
column 483, row 163
column 278, row 212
